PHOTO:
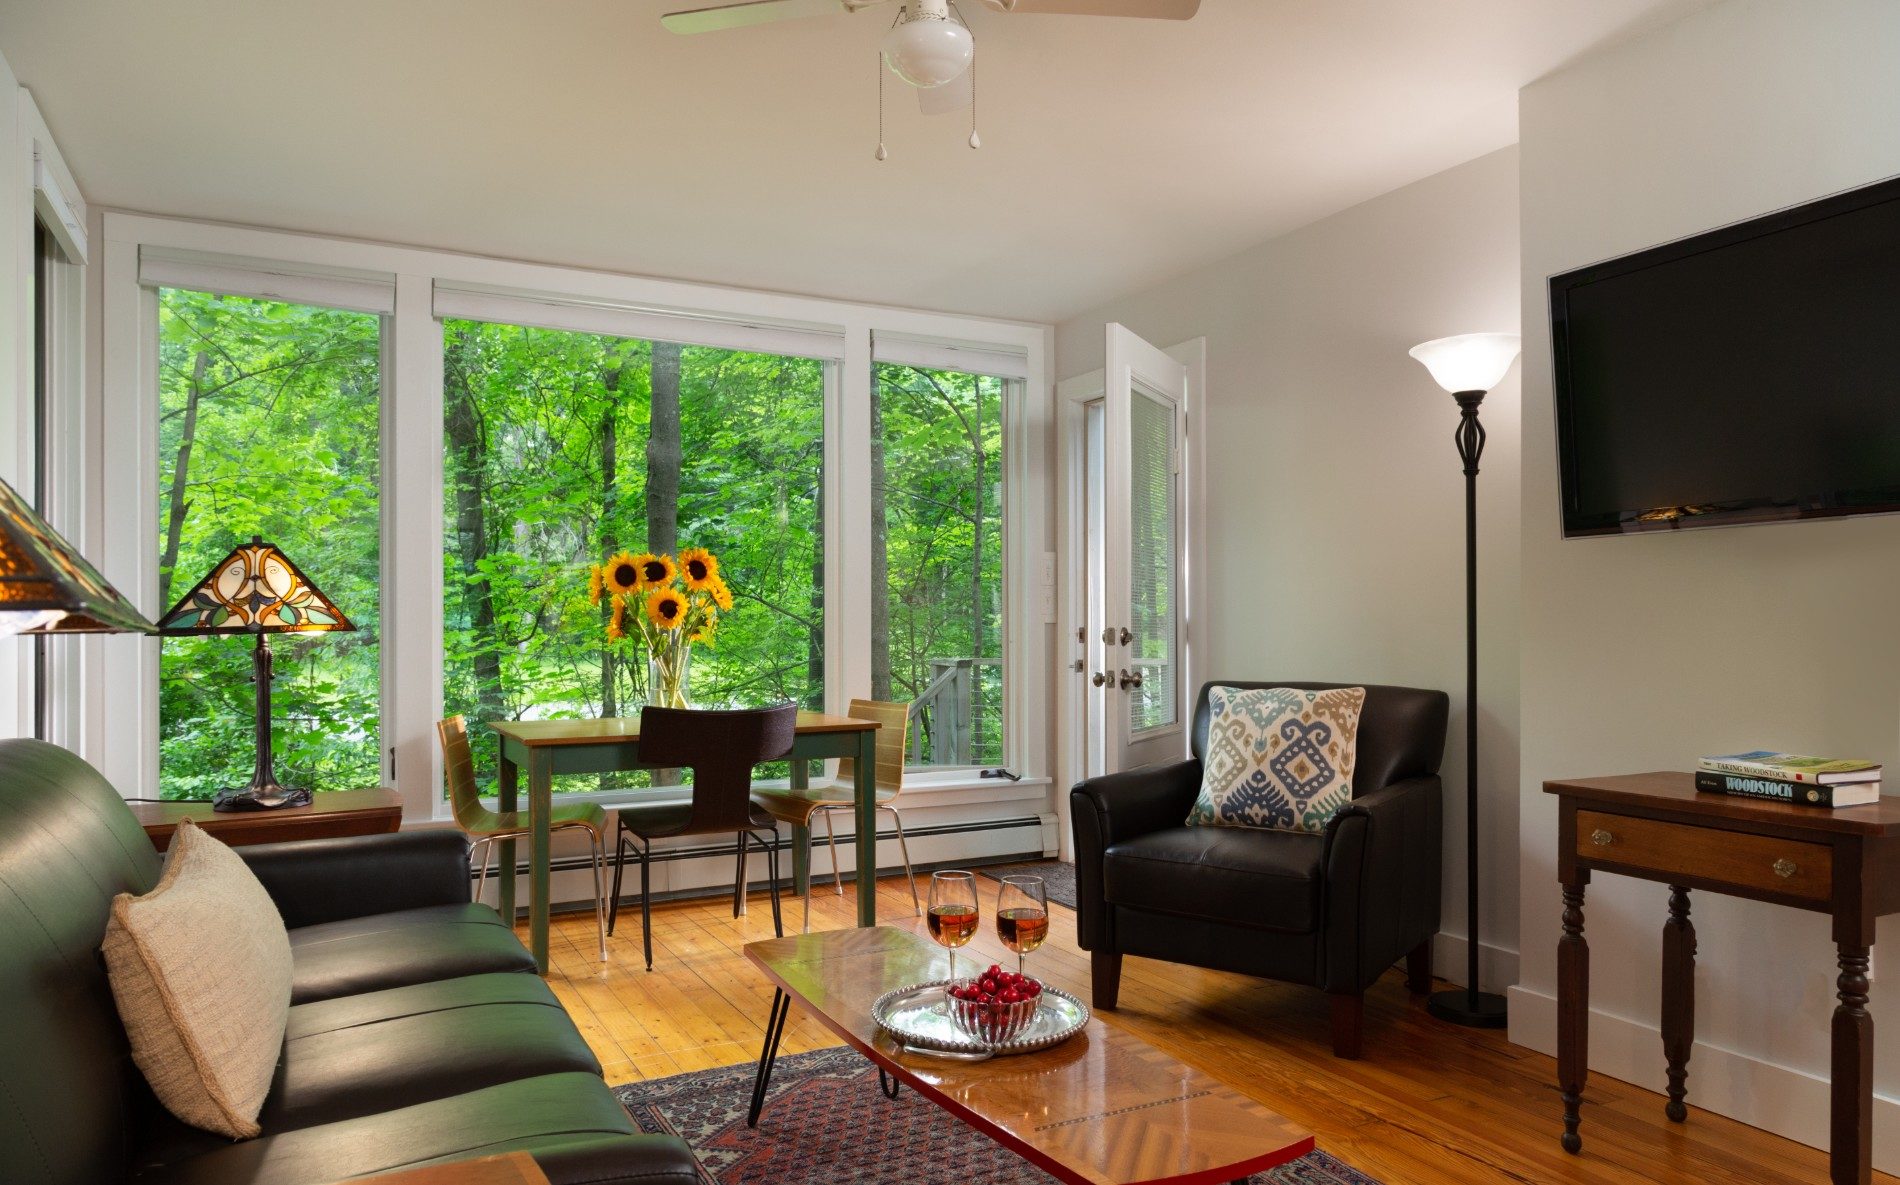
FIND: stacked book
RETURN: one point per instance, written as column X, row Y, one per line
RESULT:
column 1785, row 777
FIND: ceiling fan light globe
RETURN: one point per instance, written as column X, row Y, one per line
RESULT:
column 928, row 50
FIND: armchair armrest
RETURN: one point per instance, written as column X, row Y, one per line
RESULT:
column 1110, row 809
column 1383, row 862
column 329, row 880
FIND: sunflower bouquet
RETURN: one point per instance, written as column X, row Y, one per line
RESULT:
column 668, row 604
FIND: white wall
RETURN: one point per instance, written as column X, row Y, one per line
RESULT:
column 1643, row 652
column 1336, row 504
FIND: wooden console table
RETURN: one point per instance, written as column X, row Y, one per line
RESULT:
column 1844, row 863
column 331, row 814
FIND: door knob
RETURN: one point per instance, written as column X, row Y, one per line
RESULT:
column 1128, row 680
column 1126, row 638
column 1099, row 679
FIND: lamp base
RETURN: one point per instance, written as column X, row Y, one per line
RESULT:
column 1474, row 1010
column 259, row 798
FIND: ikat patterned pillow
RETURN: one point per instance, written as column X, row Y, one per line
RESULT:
column 1278, row 759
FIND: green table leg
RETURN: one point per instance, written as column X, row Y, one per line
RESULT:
column 505, row 848
column 801, row 833
column 540, row 803
column 866, row 792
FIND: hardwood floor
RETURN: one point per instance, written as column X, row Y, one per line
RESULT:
column 1428, row 1104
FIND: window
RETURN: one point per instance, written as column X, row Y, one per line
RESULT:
column 269, row 424
column 937, row 612
column 564, row 448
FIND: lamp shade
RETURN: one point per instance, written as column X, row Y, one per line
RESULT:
column 255, row 589
column 1470, row 361
column 47, row 587
column 928, row 48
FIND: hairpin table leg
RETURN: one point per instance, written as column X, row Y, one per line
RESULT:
column 768, row 1053
column 888, row 1083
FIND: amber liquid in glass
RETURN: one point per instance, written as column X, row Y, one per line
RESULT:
column 952, row 925
column 1022, row 930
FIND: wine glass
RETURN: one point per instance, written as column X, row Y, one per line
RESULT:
column 1022, row 915
column 953, row 914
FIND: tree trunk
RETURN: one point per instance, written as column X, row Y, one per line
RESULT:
column 612, row 368
column 880, row 560
column 663, row 469
column 468, row 455
column 663, row 451
column 179, row 507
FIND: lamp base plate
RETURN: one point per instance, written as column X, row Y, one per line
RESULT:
column 259, row 798
column 1474, row 1010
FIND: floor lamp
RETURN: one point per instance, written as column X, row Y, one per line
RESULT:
column 1468, row 366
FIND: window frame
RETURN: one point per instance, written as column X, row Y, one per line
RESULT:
column 412, row 525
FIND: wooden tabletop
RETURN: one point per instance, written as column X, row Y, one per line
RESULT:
column 1675, row 791
column 536, row 733
column 515, row 1168
column 1102, row 1108
column 331, row 813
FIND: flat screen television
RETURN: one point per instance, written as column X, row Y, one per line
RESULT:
column 1748, row 374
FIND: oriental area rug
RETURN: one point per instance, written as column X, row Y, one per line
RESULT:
column 826, row 1123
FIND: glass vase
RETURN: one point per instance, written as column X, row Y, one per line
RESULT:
column 668, row 675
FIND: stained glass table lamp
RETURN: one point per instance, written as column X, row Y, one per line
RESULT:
column 256, row 590
column 47, row 587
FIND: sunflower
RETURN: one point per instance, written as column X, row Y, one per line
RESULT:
column 596, row 583
column 655, row 570
column 701, row 568
column 666, row 608
column 721, row 595
column 617, row 624
column 622, row 573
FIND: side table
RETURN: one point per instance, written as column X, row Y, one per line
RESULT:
column 1844, row 863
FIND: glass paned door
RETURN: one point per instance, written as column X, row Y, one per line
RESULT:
column 1145, row 392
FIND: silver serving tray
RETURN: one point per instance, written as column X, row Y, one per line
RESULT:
column 917, row 1017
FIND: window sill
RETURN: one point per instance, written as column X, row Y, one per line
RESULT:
column 1002, row 790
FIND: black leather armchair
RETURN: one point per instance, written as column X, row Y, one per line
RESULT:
column 1332, row 910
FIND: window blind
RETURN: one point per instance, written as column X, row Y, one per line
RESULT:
column 547, row 311
column 362, row 292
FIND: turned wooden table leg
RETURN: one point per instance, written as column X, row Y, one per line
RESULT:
column 1678, row 999
column 1573, row 1014
column 1852, row 1105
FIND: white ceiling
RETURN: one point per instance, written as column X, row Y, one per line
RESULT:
column 1116, row 153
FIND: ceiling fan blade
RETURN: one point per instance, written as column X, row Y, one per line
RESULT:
column 755, row 12
column 1165, row 10
column 953, row 96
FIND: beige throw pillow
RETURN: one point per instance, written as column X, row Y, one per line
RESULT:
column 1278, row 758
column 200, row 968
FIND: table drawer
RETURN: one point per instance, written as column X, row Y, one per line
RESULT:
column 1764, row 862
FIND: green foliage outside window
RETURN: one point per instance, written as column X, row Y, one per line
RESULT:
column 564, row 448
column 937, row 560
column 268, row 425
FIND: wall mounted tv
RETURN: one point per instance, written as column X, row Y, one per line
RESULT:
column 1749, row 374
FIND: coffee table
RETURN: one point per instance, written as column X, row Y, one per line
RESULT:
column 1102, row 1108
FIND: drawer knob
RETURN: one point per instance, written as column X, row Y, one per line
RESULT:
column 1601, row 837
column 1784, row 868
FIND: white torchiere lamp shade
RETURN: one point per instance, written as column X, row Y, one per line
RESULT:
column 1469, row 361
column 927, row 48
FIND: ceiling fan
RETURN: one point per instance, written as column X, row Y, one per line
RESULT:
column 928, row 45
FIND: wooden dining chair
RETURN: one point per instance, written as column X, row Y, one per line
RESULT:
column 721, row 748
column 801, row 807
column 485, row 826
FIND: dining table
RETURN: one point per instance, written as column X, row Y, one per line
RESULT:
column 546, row 748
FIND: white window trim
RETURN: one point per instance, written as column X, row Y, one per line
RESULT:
column 412, row 471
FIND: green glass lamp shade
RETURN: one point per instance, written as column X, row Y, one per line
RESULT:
column 47, row 587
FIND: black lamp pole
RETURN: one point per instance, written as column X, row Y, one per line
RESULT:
column 1468, row 1005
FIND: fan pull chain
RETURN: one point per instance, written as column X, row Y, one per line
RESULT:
column 881, row 154
column 976, row 141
